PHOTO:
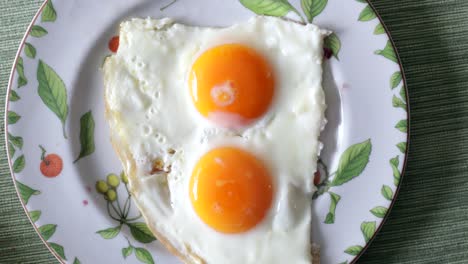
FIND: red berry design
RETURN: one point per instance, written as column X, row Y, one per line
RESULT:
column 51, row 165
column 317, row 178
column 114, row 44
column 327, row 53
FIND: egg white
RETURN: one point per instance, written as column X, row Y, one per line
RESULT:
column 147, row 92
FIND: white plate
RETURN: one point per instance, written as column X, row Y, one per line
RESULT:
column 56, row 101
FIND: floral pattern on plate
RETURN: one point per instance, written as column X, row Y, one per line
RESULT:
column 58, row 143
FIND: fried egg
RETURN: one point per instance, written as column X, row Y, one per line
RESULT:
column 218, row 131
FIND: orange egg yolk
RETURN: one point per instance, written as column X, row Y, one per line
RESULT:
column 231, row 84
column 230, row 190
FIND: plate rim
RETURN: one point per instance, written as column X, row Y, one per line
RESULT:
column 5, row 121
column 408, row 132
column 353, row 261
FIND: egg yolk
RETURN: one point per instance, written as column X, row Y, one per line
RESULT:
column 230, row 190
column 231, row 84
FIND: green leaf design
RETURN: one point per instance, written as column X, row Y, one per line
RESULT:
column 387, row 192
column 362, row 1
column 167, row 5
column 38, row 31
column 11, row 150
column 141, row 232
column 144, row 256
column 86, row 135
column 26, row 192
column 276, row 8
column 17, row 141
column 352, row 162
column 344, row 262
column 29, row 50
column 14, row 96
column 395, row 80
column 353, row 250
column 47, row 231
column 402, row 147
column 22, row 81
column 394, row 162
column 109, row 233
column 330, row 218
column 76, row 261
column 367, row 14
column 397, row 102
column 58, row 249
column 388, row 52
column 313, row 8
column 403, row 93
column 379, row 211
column 127, row 251
column 35, row 215
column 333, row 43
column 49, row 14
column 19, row 164
column 13, row 117
column 379, row 29
column 53, row 92
column 402, row 125
column 368, row 230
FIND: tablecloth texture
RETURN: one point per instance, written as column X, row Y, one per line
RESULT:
column 429, row 222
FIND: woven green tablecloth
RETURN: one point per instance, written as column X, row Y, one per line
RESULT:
column 429, row 222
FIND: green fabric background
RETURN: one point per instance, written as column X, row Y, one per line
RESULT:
column 429, row 222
